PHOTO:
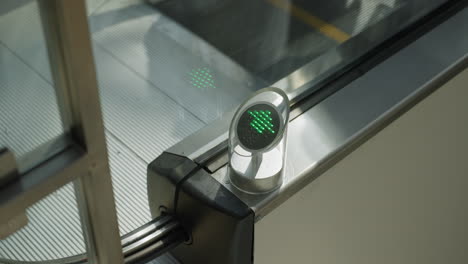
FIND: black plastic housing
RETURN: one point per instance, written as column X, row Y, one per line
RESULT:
column 220, row 225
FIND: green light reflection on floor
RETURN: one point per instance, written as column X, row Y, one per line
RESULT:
column 202, row 78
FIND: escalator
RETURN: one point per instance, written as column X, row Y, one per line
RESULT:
column 170, row 75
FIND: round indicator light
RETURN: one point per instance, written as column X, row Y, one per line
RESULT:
column 257, row 126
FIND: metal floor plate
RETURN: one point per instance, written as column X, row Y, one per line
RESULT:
column 142, row 117
column 54, row 229
column 136, row 114
column 29, row 113
column 138, row 36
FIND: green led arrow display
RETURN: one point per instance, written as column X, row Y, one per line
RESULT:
column 261, row 121
column 202, row 78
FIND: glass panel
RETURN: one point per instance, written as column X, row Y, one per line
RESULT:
column 286, row 43
column 48, row 234
column 168, row 68
column 30, row 122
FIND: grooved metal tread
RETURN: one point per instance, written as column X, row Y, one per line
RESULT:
column 136, row 114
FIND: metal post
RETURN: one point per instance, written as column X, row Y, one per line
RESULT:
column 70, row 51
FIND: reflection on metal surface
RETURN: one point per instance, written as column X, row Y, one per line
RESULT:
column 296, row 83
column 370, row 27
column 325, row 28
column 162, row 53
column 327, row 132
column 202, row 78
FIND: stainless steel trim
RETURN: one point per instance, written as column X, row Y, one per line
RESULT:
column 207, row 141
column 151, row 239
column 70, row 53
column 329, row 131
column 212, row 139
column 144, row 230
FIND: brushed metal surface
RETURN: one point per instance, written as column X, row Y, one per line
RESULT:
column 398, row 198
column 370, row 22
column 54, row 229
column 29, row 115
column 150, row 44
column 322, row 135
column 29, row 46
column 129, row 178
column 137, row 113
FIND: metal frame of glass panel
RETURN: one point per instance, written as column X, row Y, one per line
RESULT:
column 85, row 160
